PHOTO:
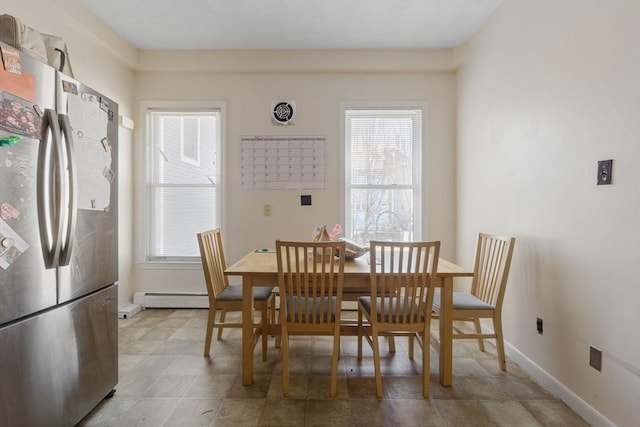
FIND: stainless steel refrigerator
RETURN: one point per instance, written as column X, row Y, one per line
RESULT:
column 58, row 245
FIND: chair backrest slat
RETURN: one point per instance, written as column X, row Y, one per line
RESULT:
column 403, row 276
column 491, row 269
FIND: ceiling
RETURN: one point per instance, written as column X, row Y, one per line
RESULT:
column 293, row 24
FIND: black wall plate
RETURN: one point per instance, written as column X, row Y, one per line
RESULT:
column 604, row 171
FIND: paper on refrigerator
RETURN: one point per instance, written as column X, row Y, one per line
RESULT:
column 92, row 149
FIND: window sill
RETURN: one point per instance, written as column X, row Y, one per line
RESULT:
column 170, row 265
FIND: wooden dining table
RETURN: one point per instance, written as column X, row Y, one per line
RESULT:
column 259, row 268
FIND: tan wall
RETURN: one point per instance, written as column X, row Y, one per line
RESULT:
column 248, row 93
column 545, row 90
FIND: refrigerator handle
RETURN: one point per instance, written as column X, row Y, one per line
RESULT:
column 49, row 189
column 72, row 188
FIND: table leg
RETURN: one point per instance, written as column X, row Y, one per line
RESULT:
column 247, row 330
column 446, row 332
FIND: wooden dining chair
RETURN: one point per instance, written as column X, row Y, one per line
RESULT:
column 228, row 298
column 310, row 281
column 402, row 276
column 490, row 273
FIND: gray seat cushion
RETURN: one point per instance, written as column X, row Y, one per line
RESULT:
column 234, row 293
column 305, row 305
column 463, row 301
column 388, row 310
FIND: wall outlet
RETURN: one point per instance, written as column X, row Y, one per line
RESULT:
column 266, row 210
column 595, row 358
column 305, row 200
column 539, row 325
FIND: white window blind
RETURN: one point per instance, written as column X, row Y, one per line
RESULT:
column 382, row 173
column 183, row 181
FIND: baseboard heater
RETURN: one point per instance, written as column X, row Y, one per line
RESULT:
column 170, row 300
column 128, row 310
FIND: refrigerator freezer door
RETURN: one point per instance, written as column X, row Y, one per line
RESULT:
column 26, row 285
column 93, row 247
column 57, row 366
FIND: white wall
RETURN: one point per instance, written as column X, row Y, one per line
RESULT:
column 545, row 90
column 104, row 61
column 260, row 77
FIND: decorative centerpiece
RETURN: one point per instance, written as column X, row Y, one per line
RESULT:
column 353, row 249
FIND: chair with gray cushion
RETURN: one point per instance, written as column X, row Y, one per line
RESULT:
column 228, row 298
column 490, row 273
column 402, row 277
column 310, row 281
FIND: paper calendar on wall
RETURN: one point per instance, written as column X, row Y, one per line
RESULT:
column 283, row 162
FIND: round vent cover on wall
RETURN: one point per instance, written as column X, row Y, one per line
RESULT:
column 283, row 112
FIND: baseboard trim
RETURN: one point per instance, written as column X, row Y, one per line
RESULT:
column 555, row 387
column 170, row 300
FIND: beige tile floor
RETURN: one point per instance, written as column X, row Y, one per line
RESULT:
column 165, row 381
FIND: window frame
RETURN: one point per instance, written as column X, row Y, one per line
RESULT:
column 418, row 160
column 146, row 195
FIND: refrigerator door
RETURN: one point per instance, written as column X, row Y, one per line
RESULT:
column 67, row 362
column 26, row 285
column 89, row 258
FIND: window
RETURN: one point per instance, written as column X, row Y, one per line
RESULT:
column 382, row 194
column 183, row 191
